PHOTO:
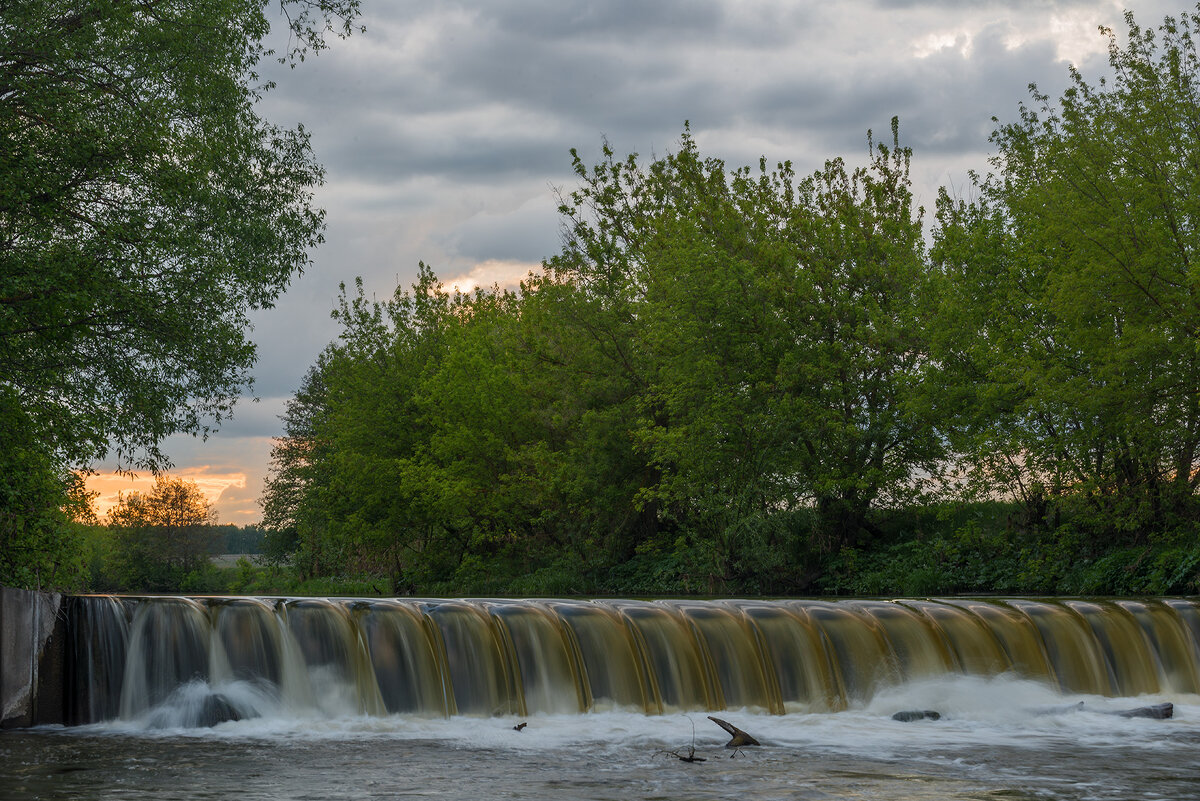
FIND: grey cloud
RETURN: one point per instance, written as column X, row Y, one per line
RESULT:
column 945, row 102
column 405, row 122
column 255, row 418
column 528, row 233
column 1002, row 5
column 633, row 22
column 622, row 19
column 382, row 153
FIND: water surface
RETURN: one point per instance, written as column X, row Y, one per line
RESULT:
column 998, row 739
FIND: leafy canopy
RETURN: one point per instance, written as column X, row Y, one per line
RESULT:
column 1070, row 297
column 145, row 209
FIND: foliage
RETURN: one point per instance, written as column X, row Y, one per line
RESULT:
column 599, row 413
column 776, row 328
column 164, row 537
column 1069, row 323
column 240, row 539
column 750, row 381
column 44, row 509
column 728, row 381
column 145, row 210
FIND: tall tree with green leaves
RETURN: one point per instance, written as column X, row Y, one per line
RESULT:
column 1073, row 292
column 352, row 474
column 145, row 210
column 775, row 325
column 297, row 459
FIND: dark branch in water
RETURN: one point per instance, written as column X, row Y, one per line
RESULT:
column 691, row 751
column 739, row 738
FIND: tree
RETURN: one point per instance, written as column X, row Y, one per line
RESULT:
column 349, row 475
column 776, row 330
column 1072, row 294
column 41, row 505
column 163, row 534
column 713, row 359
column 295, row 459
column 145, row 210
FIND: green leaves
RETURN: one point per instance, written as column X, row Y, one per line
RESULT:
column 711, row 352
column 727, row 375
column 774, row 325
column 1072, row 290
column 145, row 209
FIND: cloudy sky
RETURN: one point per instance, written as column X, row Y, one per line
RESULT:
column 445, row 129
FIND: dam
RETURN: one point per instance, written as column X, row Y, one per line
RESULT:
column 345, row 699
column 190, row 661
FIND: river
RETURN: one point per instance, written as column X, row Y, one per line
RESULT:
column 997, row 738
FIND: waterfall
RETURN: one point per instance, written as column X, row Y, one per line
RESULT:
column 199, row 661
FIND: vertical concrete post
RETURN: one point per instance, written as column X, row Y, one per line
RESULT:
column 30, row 653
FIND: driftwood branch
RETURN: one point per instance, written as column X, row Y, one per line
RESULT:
column 739, row 738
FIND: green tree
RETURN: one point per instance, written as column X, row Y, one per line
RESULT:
column 350, row 476
column 296, row 458
column 713, row 360
column 1071, row 296
column 164, row 534
column 42, row 508
column 145, row 209
column 583, row 373
column 775, row 327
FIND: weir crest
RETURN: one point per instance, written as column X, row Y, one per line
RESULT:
column 174, row 661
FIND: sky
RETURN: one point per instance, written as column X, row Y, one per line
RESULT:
column 445, row 131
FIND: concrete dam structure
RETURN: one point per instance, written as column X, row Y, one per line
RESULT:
column 176, row 661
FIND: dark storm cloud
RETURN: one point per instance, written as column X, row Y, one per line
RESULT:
column 698, row 23
column 500, row 92
column 568, row 72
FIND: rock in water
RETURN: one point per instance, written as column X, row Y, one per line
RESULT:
column 1157, row 712
column 909, row 715
column 216, row 709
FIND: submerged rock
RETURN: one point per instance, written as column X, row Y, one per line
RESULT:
column 1155, row 711
column 215, row 709
column 195, row 705
column 909, row 715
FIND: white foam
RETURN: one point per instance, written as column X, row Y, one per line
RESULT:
column 975, row 713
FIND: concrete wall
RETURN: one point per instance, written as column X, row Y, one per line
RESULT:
column 32, row 658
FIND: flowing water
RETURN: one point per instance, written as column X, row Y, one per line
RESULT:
column 332, row 699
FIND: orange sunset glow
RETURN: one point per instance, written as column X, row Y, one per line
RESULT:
column 112, row 485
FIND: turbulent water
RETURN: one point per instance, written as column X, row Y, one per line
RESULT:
column 997, row 738
column 374, row 699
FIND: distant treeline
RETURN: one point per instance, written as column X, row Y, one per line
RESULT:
column 240, row 539
column 153, row 557
column 754, row 381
